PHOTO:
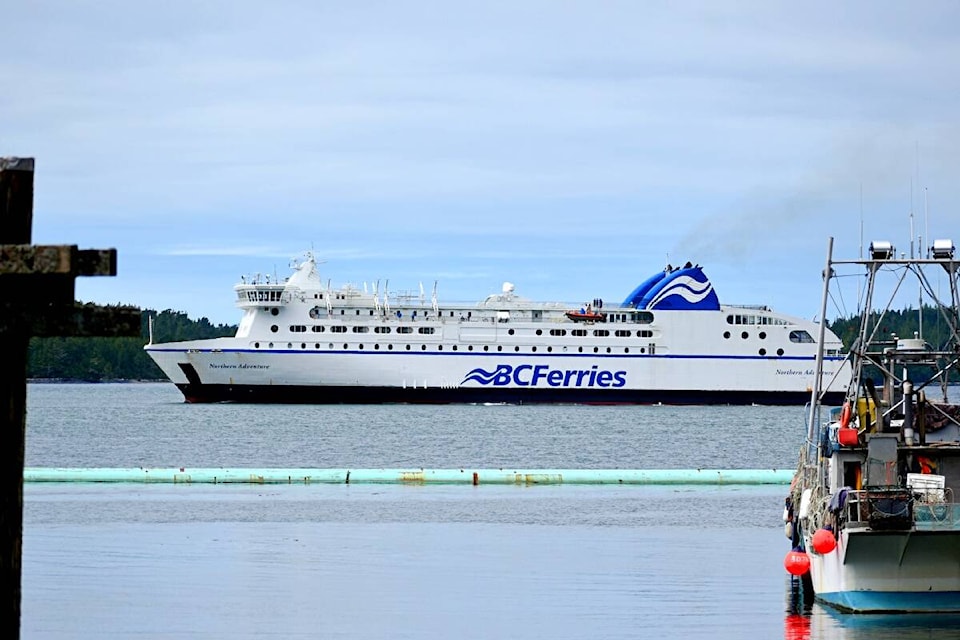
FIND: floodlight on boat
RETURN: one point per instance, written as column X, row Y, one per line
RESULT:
column 880, row 250
column 942, row 249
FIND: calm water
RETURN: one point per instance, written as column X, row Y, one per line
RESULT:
column 362, row 561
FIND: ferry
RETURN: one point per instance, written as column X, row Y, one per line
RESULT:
column 670, row 341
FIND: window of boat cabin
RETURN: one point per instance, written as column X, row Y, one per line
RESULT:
column 404, row 329
column 601, row 333
column 643, row 317
column 801, row 336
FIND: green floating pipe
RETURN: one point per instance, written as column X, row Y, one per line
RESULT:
column 185, row 475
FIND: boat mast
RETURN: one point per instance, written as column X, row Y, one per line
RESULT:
column 818, row 373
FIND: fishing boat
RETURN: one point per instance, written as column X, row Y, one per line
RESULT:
column 300, row 340
column 871, row 512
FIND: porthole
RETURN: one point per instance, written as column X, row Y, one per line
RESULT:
column 516, row 348
column 486, row 347
column 316, row 346
column 423, row 347
column 408, row 347
column 580, row 349
column 330, row 346
column 763, row 352
column 376, row 347
column 274, row 328
column 643, row 350
column 271, row 345
column 256, row 345
column 469, row 347
column 762, row 335
column 289, row 345
column 608, row 349
column 439, row 347
column 726, row 334
column 303, row 345
column 534, row 349
column 539, row 332
column 596, row 349
column 549, row 349
column 779, row 352
column 360, row 346
column 626, row 349
column 389, row 347
column 510, row 332
column 454, row 347
column 344, row 345
column 275, row 311
column 744, row 335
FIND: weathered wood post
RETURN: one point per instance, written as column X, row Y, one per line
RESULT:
column 36, row 299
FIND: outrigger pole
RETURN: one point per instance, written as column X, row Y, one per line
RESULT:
column 818, row 373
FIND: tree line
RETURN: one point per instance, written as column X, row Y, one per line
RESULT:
column 100, row 359
column 96, row 359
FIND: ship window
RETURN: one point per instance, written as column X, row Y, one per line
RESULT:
column 580, row 349
column 274, row 328
column 344, row 345
column 423, row 347
column 642, row 350
column 275, row 311
column 516, row 348
column 499, row 347
column 303, row 345
column 317, row 328
column 361, row 329
column 371, row 311
column 440, row 347
column 644, row 317
column 549, row 349
column 338, row 328
column 608, row 349
column 360, row 346
column 744, row 335
column 376, row 347
column 454, row 347
column 256, row 345
column 558, row 332
column 626, row 349
column 644, row 333
column 779, row 352
column 596, row 349
column 297, row 328
column 580, row 333
column 270, row 345
column 404, row 329
column 425, row 330
column 289, row 345
column 381, row 329
column 486, row 348
column 726, row 334
column 389, row 347
column 621, row 333
column 315, row 312
column 470, row 347
column 601, row 333
column 539, row 332
column 763, row 352
column 533, row 348
column 801, row 336
column 729, row 319
column 763, row 335
column 316, row 345
column 408, row 347
column 510, row 332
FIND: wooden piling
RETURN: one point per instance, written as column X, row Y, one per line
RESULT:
column 36, row 299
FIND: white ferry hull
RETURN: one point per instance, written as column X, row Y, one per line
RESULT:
column 352, row 376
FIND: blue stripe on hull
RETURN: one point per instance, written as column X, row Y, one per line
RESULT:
column 307, row 394
column 893, row 601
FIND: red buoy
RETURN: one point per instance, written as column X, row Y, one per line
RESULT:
column 823, row 541
column 797, row 563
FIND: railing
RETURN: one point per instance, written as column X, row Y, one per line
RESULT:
column 898, row 509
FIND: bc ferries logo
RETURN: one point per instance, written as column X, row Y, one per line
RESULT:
column 541, row 375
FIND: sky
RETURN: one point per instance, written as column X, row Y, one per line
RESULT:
column 572, row 148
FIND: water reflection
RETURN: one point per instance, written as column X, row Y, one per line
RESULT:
column 806, row 619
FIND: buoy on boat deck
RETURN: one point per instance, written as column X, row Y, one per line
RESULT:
column 823, row 541
column 796, row 562
column 845, row 415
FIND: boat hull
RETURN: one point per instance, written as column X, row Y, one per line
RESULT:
column 890, row 572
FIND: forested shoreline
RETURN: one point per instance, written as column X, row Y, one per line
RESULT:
column 112, row 359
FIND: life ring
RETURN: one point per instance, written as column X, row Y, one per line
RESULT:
column 845, row 415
